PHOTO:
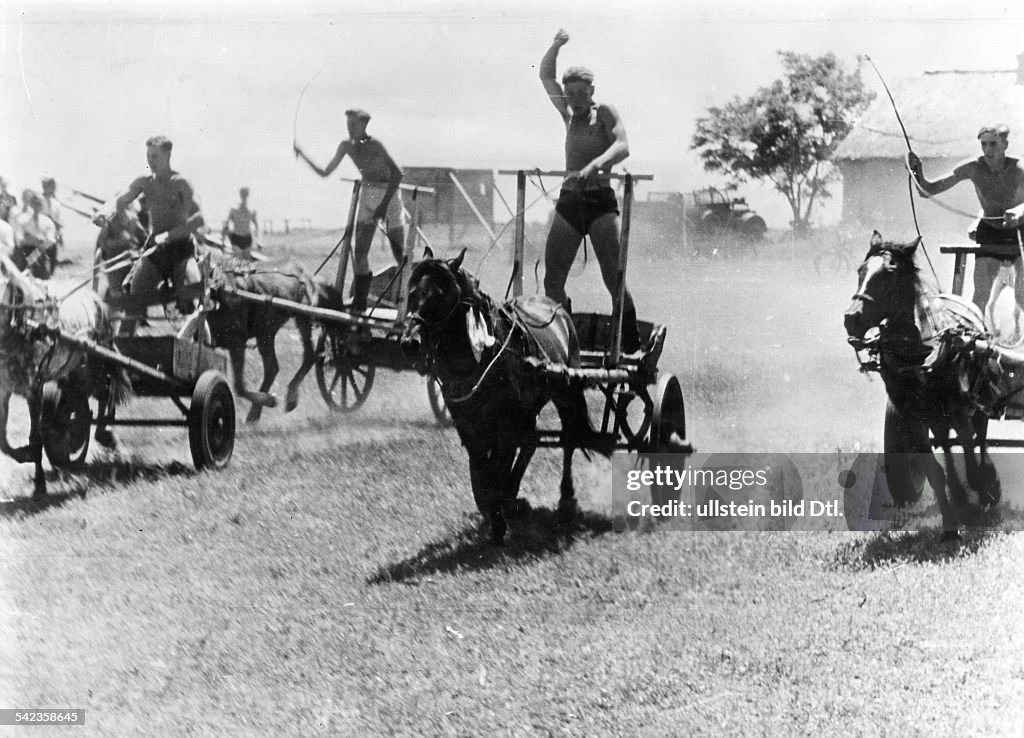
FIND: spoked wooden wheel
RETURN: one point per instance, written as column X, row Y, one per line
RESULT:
column 832, row 260
column 64, row 423
column 668, row 424
column 629, row 413
column 211, row 421
column 345, row 380
column 906, row 450
column 437, row 403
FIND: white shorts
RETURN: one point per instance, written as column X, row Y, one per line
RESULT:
column 370, row 196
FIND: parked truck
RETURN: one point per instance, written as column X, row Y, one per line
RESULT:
column 703, row 221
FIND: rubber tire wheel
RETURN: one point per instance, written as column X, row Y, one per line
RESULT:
column 832, row 261
column 64, row 423
column 905, row 442
column 668, row 424
column 350, row 381
column 437, row 403
column 211, row 421
column 754, row 229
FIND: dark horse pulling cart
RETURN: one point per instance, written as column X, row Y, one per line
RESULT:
column 943, row 371
column 353, row 345
column 499, row 365
column 643, row 408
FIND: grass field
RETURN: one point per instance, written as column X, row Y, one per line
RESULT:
column 333, row 580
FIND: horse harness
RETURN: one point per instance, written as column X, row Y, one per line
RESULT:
column 952, row 351
column 510, row 319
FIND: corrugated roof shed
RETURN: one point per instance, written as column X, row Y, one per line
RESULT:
column 942, row 112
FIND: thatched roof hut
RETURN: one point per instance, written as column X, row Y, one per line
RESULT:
column 942, row 112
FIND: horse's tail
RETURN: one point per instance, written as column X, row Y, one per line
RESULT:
column 121, row 391
column 602, row 443
column 578, row 431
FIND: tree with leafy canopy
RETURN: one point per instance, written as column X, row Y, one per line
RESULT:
column 788, row 132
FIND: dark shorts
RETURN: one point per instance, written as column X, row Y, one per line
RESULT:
column 239, row 241
column 1001, row 243
column 581, row 209
column 172, row 253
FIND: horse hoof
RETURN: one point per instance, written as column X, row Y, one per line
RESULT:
column 498, row 530
column 263, row 399
column 105, row 438
column 990, row 494
column 254, row 415
column 291, row 404
column 23, row 455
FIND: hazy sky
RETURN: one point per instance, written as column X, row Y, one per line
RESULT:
column 449, row 83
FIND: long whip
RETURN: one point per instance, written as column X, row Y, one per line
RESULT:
column 298, row 105
column 910, row 149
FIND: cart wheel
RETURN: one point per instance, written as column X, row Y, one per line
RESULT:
column 64, row 423
column 437, row 403
column 668, row 426
column 344, row 380
column 906, row 442
column 832, row 260
column 211, row 421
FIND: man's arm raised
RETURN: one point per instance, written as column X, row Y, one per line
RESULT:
column 548, row 75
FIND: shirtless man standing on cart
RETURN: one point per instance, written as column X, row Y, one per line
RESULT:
column 595, row 141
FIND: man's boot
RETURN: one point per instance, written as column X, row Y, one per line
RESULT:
column 360, row 292
column 630, row 331
column 360, row 298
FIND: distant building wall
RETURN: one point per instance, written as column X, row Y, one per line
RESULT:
column 876, row 196
column 448, row 206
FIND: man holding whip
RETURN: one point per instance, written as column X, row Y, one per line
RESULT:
column 379, row 198
column 999, row 183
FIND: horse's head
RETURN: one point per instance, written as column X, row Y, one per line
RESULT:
column 887, row 286
column 436, row 288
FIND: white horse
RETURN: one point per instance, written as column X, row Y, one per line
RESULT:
column 29, row 361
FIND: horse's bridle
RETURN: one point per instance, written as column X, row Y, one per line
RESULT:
column 872, row 346
column 416, row 317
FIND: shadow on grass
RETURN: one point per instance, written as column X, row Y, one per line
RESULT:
column 100, row 474
column 911, row 542
column 428, row 423
column 913, row 547
column 28, row 506
column 535, row 536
